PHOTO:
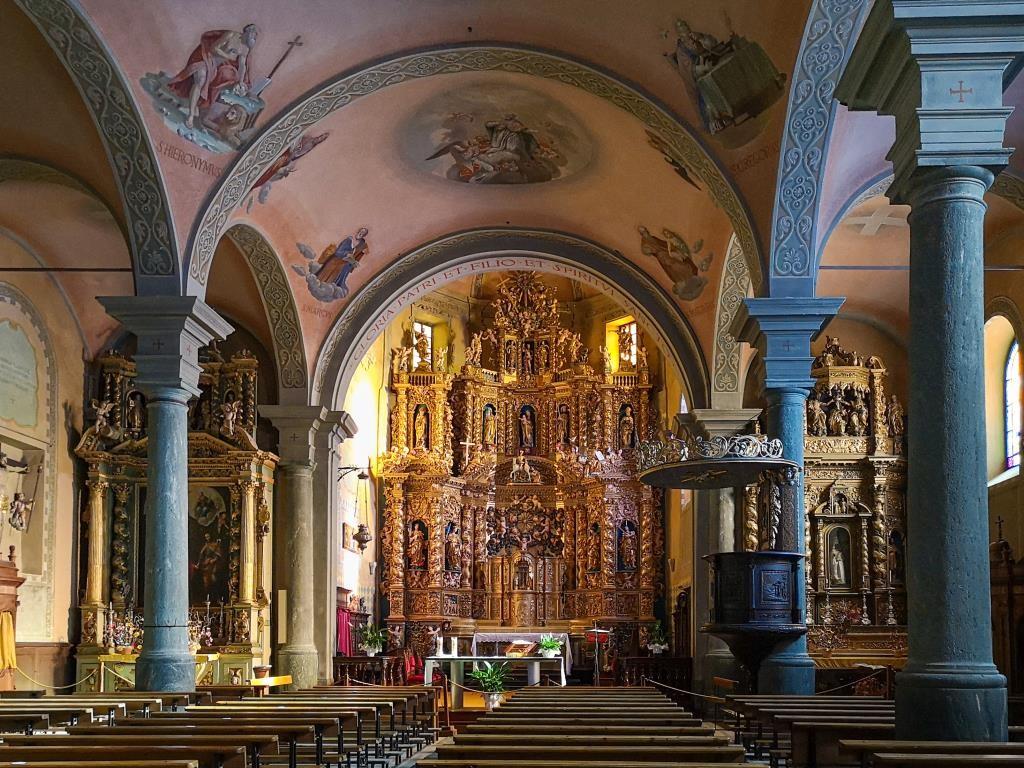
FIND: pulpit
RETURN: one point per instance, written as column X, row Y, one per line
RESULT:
column 9, row 583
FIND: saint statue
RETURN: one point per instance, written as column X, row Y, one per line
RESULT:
column 521, row 471
column 420, row 438
column 543, row 356
column 490, row 426
column 135, row 410
column 816, row 419
column 562, row 424
column 475, row 350
column 606, row 359
column 627, row 428
column 422, row 346
column 453, row 551
column 526, row 432
column 625, row 347
column 417, row 549
column 510, row 356
column 837, row 418
column 858, row 416
column 897, row 420
column 627, row 548
column 837, row 565
column 594, row 548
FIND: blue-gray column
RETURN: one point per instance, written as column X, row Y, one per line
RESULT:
column 782, row 329
column 941, row 73
column 170, row 331
column 949, row 676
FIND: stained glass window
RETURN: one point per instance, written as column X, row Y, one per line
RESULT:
column 1013, row 409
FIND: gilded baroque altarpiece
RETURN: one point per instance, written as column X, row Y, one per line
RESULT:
column 510, row 497
column 230, row 500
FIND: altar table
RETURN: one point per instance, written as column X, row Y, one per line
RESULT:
column 458, row 675
column 532, row 637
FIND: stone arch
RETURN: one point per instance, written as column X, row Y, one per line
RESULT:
column 810, row 115
column 282, row 312
column 1006, row 307
column 355, row 84
column 107, row 96
column 733, row 288
column 43, row 582
column 433, row 264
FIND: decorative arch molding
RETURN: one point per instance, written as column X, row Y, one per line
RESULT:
column 150, row 227
column 1006, row 307
column 39, row 587
column 460, row 254
column 282, row 313
column 827, row 41
column 733, row 288
column 347, row 88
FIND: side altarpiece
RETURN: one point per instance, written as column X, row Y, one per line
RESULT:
column 230, row 497
column 510, row 497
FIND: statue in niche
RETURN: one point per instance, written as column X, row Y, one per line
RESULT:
column 527, row 427
column 606, row 360
column 627, row 546
column 594, row 548
column 528, row 367
column 896, row 417
column 452, row 549
column 817, row 423
column 136, row 413
column 543, row 356
column 837, row 417
column 575, row 343
column 416, row 551
column 510, row 355
column 839, row 558
column 625, row 347
column 562, row 424
column 490, row 425
column 229, row 413
column 858, row 416
column 422, row 346
column 421, row 428
column 627, row 427
column 895, row 556
column 521, row 471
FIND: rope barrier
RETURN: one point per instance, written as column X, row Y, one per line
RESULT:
column 113, row 671
column 716, row 699
column 54, row 687
column 855, row 682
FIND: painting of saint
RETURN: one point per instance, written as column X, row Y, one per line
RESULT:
column 627, row 550
column 627, row 427
column 421, row 428
column 490, row 425
column 284, row 166
column 493, row 133
column 416, row 551
column 678, row 259
column 732, row 81
column 327, row 275
column 839, row 558
column 527, row 427
column 209, row 543
column 215, row 98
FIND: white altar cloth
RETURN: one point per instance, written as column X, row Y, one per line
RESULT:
column 533, row 637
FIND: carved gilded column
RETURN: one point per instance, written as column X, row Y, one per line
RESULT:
column 119, row 545
column 95, row 580
column 247, row 555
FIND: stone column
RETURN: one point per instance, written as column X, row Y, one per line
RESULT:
column 714, row 530
column 170, row 330
column 782, row 329
column 941, row 74
column 98, row 551
column 297, row 427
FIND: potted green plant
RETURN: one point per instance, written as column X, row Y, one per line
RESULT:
column 657, row 642
column 372, row 639
column 550, row 646
column 492, row 680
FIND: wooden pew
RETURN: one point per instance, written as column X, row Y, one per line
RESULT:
column 616, row 740
column 255, row 744
column 558, row 755
column 898, row 760
column 859, row 751
column 57, row 714
column 206, row 757
column 591, row 763
column 107, row 764
column 483, row 726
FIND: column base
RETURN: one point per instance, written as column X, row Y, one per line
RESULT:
column 301, row 662
column 965, row 704
column 787, row 670
column 721, row 663
column 165, row 671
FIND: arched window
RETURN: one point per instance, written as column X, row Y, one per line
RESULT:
column 1011, row 390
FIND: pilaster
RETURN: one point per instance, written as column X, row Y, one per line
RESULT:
column 169, row 330
column 782, row 330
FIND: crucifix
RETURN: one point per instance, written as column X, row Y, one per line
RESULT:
column 960, row 91
column 999, row 525
column 467, row 444
column 292, row 44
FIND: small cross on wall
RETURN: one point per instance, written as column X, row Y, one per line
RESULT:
column 295, row 437
column 960, row 91
column 787, row 346
column 157, row 344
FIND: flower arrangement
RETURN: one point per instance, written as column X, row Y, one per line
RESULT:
column 492, row 680
column 123, row 632
column 199, row 632
column 657, row 641
column 549, row 646
column 372, row 639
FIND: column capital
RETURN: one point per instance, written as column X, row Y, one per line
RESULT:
column 940, row 68
column 170, row 330
column 718, row 422
column 299, row 425
column 782, row 328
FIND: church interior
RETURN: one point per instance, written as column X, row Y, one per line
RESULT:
column 614, row 383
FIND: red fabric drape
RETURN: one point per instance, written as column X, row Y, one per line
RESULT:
column 345, row 647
